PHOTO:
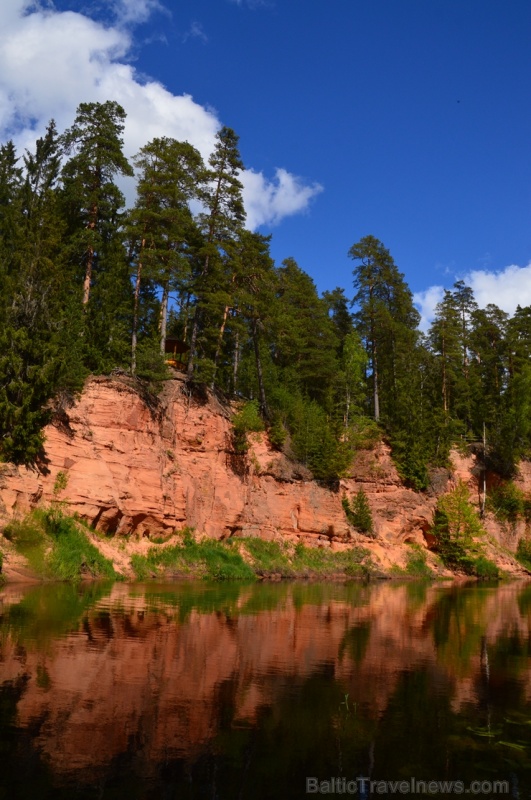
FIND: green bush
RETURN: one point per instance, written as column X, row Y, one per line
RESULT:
column 57, row 548
column 268, row 557
column 416, row 565
column 456, row 529
column 277, row 432
column 508, row 502
column 208, row 559
column 72, row 554
column 485, row 568
column 358, row 512
column 523, row 552
column 248, row 419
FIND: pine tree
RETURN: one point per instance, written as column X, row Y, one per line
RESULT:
column 221, row 224
column 255, row 303
column 305, row 340
column 160, row 226
column 387, row 322
column 93, row 206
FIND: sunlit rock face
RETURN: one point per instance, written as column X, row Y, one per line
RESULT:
column 132, row 464
column 129, row 467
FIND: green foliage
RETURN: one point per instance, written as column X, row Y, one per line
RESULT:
column 358, row 512
column 247, row 559
column 462, row 519
column 485, row 569
column 277, row 432
column 410, row 456
column 208, row 559
column 72, row 555
column 457, row 529
column 150, row 364
column 60, row 483
column 314, row 561
column 188, row 536
column 269, row 558
column 57, row 548
column 247, row 420
column 416, row 565
column 508, row 502
column 86, row 287
column 523, row 552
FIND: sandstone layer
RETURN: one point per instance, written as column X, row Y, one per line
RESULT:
column 128, row 464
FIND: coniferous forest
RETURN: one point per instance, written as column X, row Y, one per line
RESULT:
column 87, row 286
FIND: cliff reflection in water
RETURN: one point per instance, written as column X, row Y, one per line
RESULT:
column 196, row 690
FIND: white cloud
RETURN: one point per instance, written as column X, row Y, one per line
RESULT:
column 251, row 3
column 426, row 302
column 135, row 11
column 50, row 61
column 195, row 31
column 505, row 288
column 269, row 201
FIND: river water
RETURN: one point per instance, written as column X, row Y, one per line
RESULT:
column 284, row 690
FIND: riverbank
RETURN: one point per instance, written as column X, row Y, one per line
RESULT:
column 48, row 545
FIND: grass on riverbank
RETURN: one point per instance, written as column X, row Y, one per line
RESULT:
column 249, row 559
column 57, row 548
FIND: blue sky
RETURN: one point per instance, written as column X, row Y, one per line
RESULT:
column 406, row 119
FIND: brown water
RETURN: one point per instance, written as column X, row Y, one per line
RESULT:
column 208, row 691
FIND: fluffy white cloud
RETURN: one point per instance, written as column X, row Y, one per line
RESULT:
column 426, row 302
column 506, row 288
column 51, row 61
column 134, row 11
column 269, row 201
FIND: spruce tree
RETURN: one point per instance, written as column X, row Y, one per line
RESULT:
column 39, row 336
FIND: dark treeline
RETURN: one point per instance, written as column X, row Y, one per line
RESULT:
column 87, row 287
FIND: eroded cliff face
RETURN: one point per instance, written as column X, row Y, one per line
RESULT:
column 130, row 467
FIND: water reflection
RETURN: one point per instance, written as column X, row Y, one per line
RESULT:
column 229, row 691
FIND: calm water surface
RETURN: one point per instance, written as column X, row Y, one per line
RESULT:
column 201, row 691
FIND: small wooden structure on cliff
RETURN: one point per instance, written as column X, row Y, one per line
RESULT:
column 174, row 348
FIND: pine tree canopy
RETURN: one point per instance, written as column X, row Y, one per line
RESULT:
column 88, row 286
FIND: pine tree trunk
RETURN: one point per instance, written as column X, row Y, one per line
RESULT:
column 135, row 311
column 90, row 257
column 375, row 383
column 444, row 381
column 88, row 276
column 193, row 346
column 261, row 388
column 163, row 317
column 347, row 408
column 195, row 331
column 218, row 346
column 235, row 362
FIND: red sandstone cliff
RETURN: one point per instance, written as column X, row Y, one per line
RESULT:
column 133, row 467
